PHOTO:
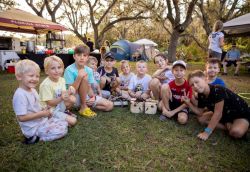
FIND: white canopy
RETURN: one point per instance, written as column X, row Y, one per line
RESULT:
column 238, row 26
column 146, row 42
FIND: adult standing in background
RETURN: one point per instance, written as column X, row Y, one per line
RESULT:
column 107, row 45
column 90, row 44
column 216, row 41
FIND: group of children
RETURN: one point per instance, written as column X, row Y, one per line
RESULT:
column 88, row 87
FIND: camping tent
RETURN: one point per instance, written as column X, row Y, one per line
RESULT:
column 148, row 50
column 146, row 42
column 123, row 49
column 239, row 26
column 21, row 21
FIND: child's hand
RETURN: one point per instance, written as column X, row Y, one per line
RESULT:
column 185, row 98
column 91, row 101
column 71, row 90
column 138, row 94
column 144, row 96
column 167, row 113
column 65, row 95
column 82, row 73
column 203, row 136
column 47, row 112
column 108, row 79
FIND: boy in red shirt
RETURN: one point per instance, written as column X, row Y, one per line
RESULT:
column 172, row 105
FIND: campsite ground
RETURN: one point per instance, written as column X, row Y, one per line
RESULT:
column 121, row 141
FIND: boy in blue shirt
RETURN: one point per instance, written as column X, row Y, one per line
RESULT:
column 212, row 70
column 81, row 77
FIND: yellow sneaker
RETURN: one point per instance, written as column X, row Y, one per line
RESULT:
column 87, row 112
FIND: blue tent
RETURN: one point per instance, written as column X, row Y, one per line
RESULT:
column 123, row 49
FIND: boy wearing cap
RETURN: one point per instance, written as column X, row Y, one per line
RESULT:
column 172, row 105
column 109, row 75
column 232, row 57
column 81, row 77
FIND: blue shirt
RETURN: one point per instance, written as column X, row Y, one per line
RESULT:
column 218, row 81
column 233, row 54
column 71, row 73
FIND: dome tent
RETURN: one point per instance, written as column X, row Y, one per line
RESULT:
column 123, row 49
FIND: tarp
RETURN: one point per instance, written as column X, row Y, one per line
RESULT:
column 146, row 42
column 17, row 20
column 239, row 26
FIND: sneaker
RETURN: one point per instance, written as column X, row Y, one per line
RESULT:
column 163, row 117
column 87, row 113
column 31, row 140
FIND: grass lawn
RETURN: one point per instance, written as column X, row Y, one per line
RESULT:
column 121, row 141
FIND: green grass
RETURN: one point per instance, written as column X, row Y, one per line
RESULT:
column 121, row 141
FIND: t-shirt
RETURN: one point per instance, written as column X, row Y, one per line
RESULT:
column 49, row 90
column 114, row 73
column 71, row 73
column 139, row 84
column 179, row 90
column 233, row 55
column 233, row 104
column 218, row 81
column 169, row 75
column 214, row 41
column 125, row 79
column 25, row 102
column 97, row 77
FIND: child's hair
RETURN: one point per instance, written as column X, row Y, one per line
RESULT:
column 123, row 62
column 50, row 59
column 196, row 73
column 141, row 62
column 26, row 65
column 103, row 50
column 160, row 55
column 218, row 26
column 92, row 58
column 81, row 49
column 213, row 61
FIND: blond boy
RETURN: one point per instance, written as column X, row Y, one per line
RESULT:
column 139, row 84
column 36, row 124
column 53, row 91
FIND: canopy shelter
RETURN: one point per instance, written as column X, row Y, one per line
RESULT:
column 146, row 42
column 239, row 26
column 16, row 20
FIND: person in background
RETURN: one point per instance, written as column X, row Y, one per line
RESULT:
column 232, row 58
column 216, row 41
column 102, row 52
column 107, row 45
column 90, row 44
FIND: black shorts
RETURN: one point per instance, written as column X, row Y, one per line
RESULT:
column 175, row 104
column 229, row 63
column 230, row 117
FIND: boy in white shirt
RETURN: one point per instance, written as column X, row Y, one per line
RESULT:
column 36, row 124
column 139, row 84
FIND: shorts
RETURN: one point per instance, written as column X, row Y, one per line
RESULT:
column 214, row 54
column 230, row 117
column 229, row 63
column 175, row 104
column 78, row 100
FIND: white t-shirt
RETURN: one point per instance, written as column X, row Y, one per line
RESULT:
column 125, row 79
column 143, row 83
column 25, row 102
column 169, row 75
column 214, row 41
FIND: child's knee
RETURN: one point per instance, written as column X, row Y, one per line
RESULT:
column 236, row 133
column 182, row 118
column 154, row 83
column 109, row 106
column 71, row 120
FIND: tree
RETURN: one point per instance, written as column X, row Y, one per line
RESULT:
column 52, row 10
column 6, row 4
column 37, row 7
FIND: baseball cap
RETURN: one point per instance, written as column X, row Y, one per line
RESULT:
column 109, row 55
column 180, row 62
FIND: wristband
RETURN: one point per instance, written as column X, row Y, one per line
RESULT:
column 208, row 130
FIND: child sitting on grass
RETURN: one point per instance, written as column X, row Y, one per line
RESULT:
column 92, row 63
column 139, row 84
column 125, row 78
column 36, row 123
column 171, row 105
column 212, row 70
column 53, row 93
column 163, row 75
column 81, row 77
column 230, row 111
column 109, row 75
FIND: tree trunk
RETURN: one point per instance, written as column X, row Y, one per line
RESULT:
column 173, row 45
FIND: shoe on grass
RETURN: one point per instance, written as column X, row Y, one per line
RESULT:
column 163, row 117
column 88, row 113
